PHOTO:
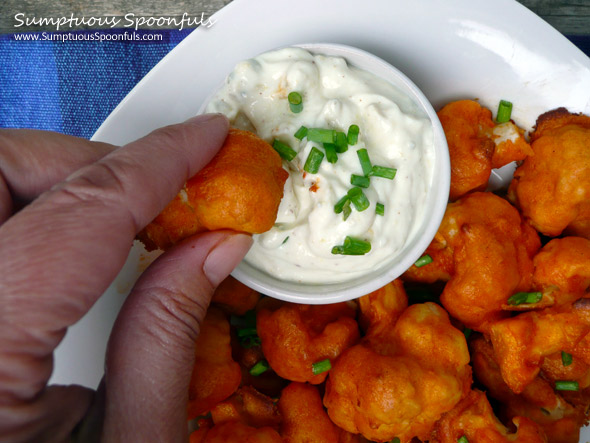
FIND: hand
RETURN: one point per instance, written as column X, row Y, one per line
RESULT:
column 82, row 205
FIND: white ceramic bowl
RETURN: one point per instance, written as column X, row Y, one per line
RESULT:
column 414, row 248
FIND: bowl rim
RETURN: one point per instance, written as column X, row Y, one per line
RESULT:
column 325, row 293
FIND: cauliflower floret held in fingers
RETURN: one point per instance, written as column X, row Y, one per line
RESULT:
column 473, row 420
column 301, row 342
column 240, row 189
column 401, row 384
column 552, row 187
column 559, row 419
column 215, row 375
column 484, row 250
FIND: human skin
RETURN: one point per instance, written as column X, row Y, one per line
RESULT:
column 84, row 203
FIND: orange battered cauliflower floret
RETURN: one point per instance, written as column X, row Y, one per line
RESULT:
column 552, row 187
column 240, row 189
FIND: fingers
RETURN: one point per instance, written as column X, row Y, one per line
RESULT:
column 33, row 161
column 151, row 350
column 62, row 251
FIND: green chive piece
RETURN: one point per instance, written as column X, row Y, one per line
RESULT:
column 380, row 209
column 331, row 155
column 321, row 366
column 341, row 142
column 423, row 261
column 360, row 180
column 314, row 159
column 352, row 246
column 358, row 199
column 365, row 161
column 339, row 206
column 285, row 240
column 566, row 358
column 383, row 171
column 245, row 332
column 321, row 135
column 467, row 332
column 353, row 135
column 284, row 150
column 259, row 368
column 463, row 439
column 301, row 133
column 504, row 111
column 295, row 102
column 564, row 385
column 525, row 297
column 395, row 440
column 346, row 211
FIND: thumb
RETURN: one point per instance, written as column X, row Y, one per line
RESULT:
column 151, row 349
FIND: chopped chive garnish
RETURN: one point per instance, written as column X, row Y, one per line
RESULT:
column 358, row 199
column 285, row 240
column 365, row 161
column 346, row 211
column 301, row 133
column 321, row 135
column 395, row 440
column 566, row 358
column 295, row 102
column 353, row 134
column 284, row 150
column 525, row 297
column 341, row 142
column 338, row 207
column 504, row 111
column 383, row 171
column 463, row 439
column 321, row 366
column 564, row 385
column 245, row 332
column 259, row 368
column 314, row 159
column 380, row 209
column 360, row 180
column 467, row 332
column 423, row 261
column 331, row 155
column 352, row 246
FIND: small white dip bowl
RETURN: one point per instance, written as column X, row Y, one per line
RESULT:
column 435, row 205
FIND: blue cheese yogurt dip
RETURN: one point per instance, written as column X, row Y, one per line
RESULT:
column 348, row 203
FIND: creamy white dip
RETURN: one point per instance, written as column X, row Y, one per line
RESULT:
column 336, row 95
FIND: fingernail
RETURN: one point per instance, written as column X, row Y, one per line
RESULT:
column 225, row 257
column 199, row 119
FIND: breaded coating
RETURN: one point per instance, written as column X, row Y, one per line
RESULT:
column 304, row 417
column 381, row 308
column 474, row 418
column 400, row 386
column 560, row 420
column 562, row 270
column 230, row 432
column 522, row 342
column 294, row 337
column 552, row 187
column 484, row 250
column 249, row 407
column 476, row 145
column 240, row 189
column 235, row 297
column 215, row 375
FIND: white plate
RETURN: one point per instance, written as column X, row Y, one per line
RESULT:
column 453, row 49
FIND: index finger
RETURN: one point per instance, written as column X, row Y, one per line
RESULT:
column 64, row 249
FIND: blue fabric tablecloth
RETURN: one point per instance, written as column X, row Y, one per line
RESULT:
column 72, row 86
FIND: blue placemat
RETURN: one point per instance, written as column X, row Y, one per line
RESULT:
column 72, row 86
